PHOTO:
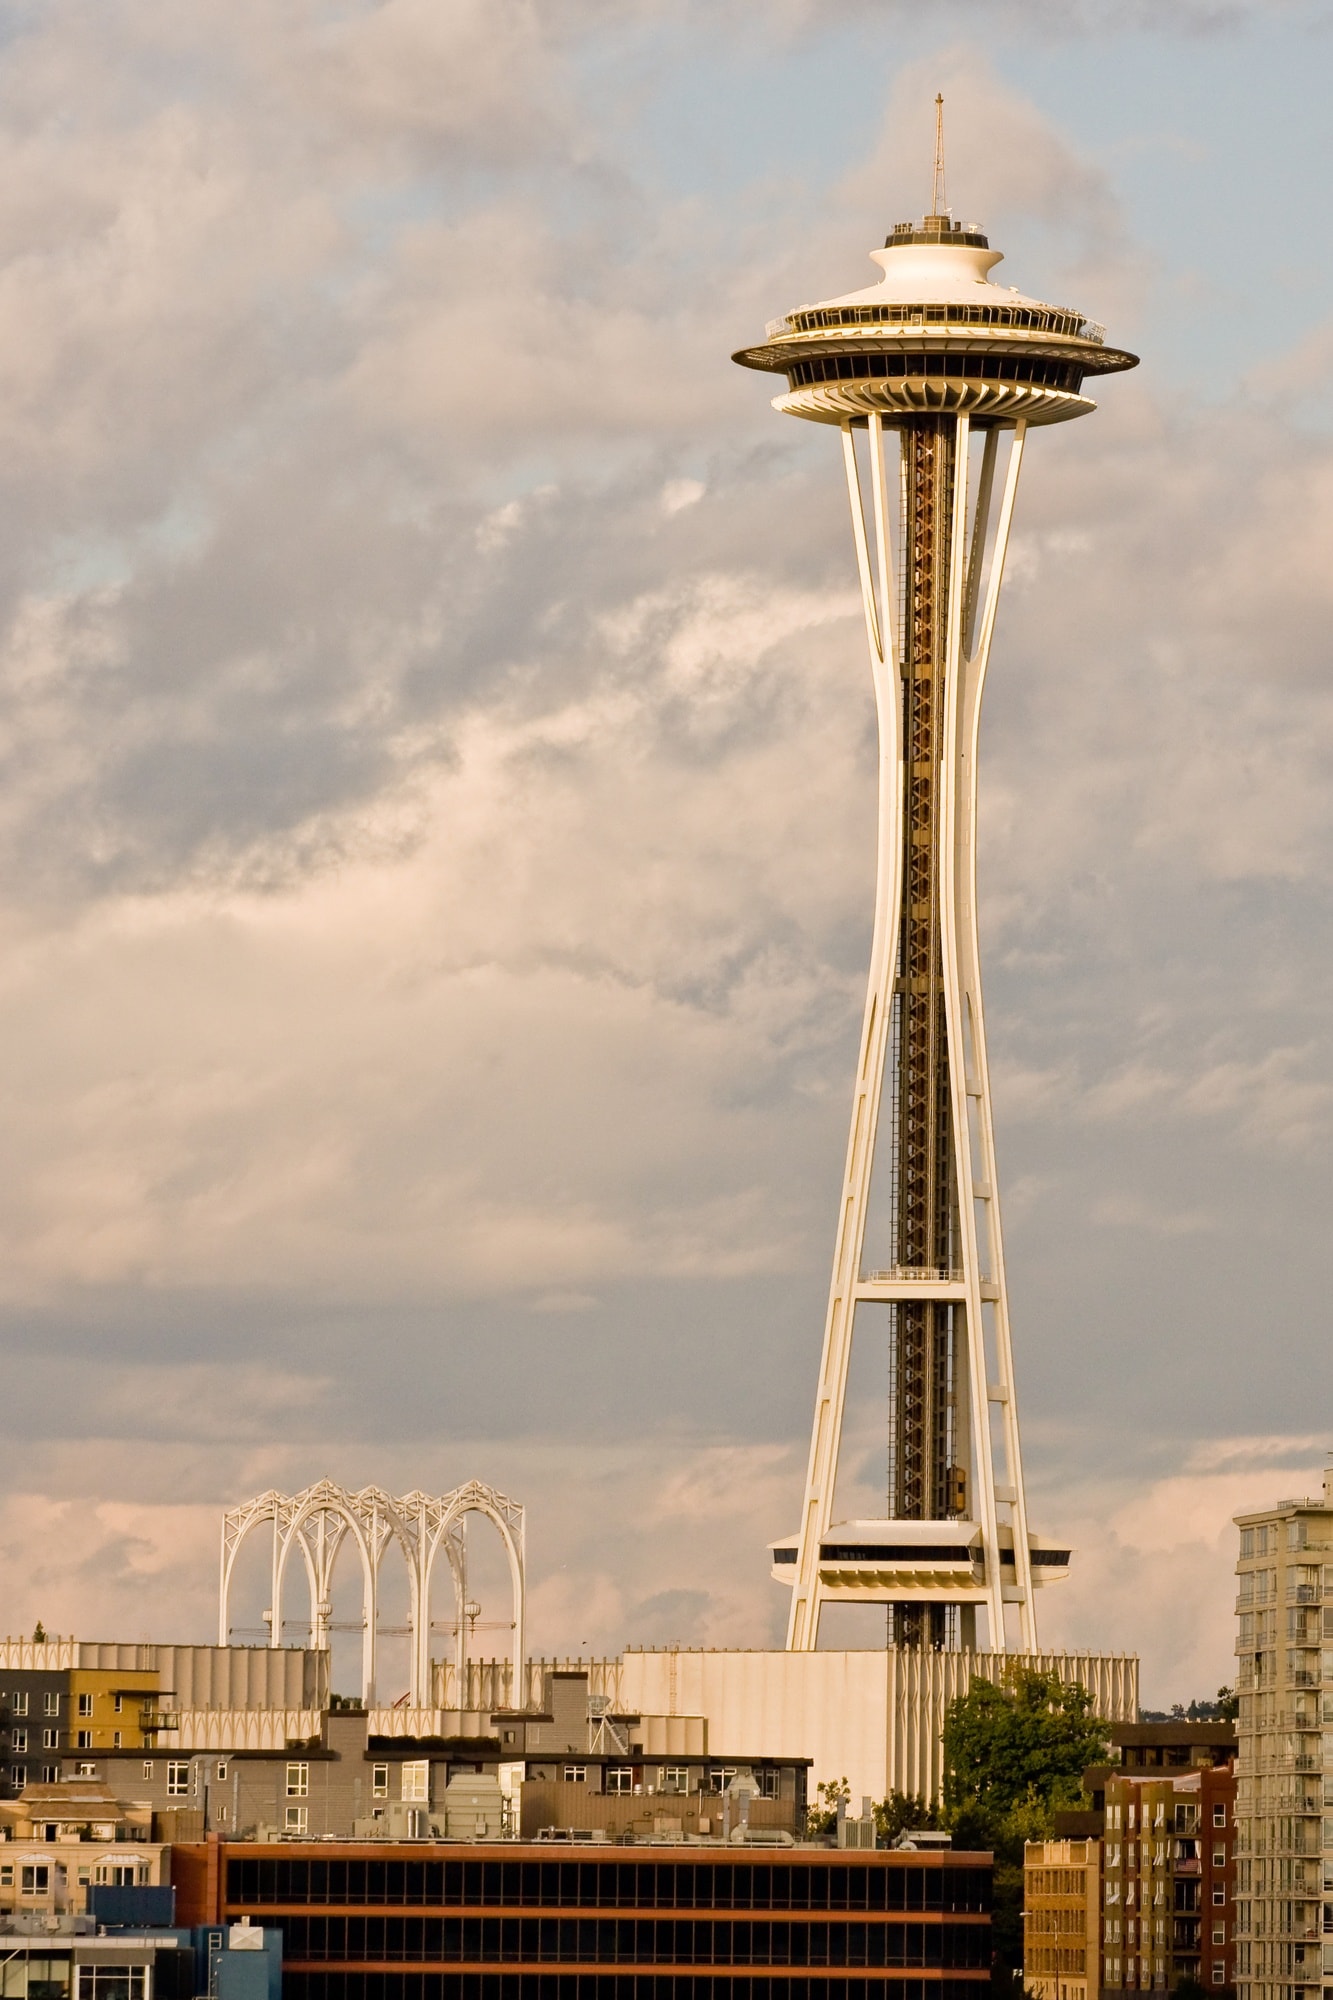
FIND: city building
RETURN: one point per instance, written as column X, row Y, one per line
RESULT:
column 569, row 1764
column 68, row 1704
column 934, row 377
column 530, row 1922
column 1168, row 1876
column 60, row 1840
column 127, row 1947
column 1155, row 1855
column 1173, row 1746
column 1062, row 1919
column 1284, row 1683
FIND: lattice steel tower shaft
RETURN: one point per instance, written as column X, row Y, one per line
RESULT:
column 934, row 368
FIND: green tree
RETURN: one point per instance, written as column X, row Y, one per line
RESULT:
column 38, row 1633
column 1015, row 1751
column 822, row 1817
column 1027, row 1739
column 898, row 1812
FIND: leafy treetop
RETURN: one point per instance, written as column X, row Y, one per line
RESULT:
column 1028, row 1739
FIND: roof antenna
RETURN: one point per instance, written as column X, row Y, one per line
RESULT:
column 938, row 198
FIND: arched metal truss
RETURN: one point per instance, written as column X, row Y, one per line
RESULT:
column 318, row 1522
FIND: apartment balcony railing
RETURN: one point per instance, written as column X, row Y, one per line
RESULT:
column 1259, row 1931
column 1303, row 1841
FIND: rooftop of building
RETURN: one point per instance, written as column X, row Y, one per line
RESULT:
column 1219, row 1732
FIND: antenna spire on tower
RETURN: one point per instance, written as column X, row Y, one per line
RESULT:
column 938, row 198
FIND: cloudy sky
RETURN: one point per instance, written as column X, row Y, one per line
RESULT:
column 435, row 829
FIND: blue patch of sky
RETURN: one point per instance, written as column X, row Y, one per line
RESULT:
column 1218, row 146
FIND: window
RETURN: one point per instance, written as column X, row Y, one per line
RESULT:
column 297, row 1820
column 116, row 1740
column 6, row 1874
column 1219, row 1933
column 675, row 1777
column 416, row 1783
column 1219, row 1857
column 379, row 1781
column 720, row 1776
column 576, row 1774
column 1219, row 1975
column 85, row 1704
column 51, row 1704
column 18, row 1776
column 85, row 1770
column 222, row 1770
column 83, row 1739
column 620, row 1778
column 112, row 1982
column 1219, row 1815
column 19, row 1740
column 770, row 1784
column 178, row 1780
column 35, row 1880
column 50, row 1739
column 298, row 1781
column 50, row 1774
column 148, row 1767
column 21, row 1702
column 510, row 1735
column 1219, row 1896
column 119, row 1703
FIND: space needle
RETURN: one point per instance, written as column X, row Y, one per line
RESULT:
column 934, row 376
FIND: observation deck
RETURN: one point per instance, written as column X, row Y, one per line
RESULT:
column 882, row 1561
column 935, row 336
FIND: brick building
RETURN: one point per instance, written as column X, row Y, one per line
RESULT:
column 1157, row 1848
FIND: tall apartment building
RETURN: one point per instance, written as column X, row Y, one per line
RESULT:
column 1284, row 1643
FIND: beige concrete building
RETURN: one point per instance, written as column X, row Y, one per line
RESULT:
column 60, row 1839
column 1284, row 1802
column 874, row 1718
column 1062, row 1918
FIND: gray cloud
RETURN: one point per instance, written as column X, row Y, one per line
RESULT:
column 436, row 811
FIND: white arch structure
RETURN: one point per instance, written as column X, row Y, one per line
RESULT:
column 318, row 1521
